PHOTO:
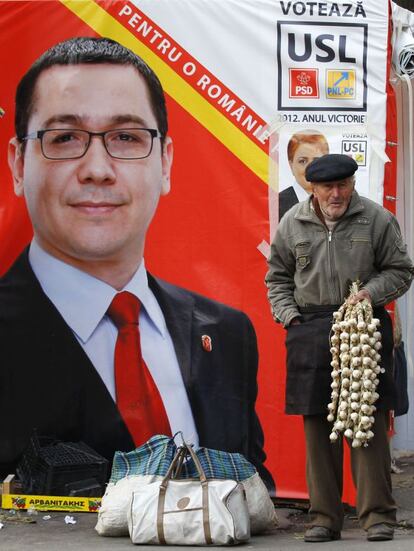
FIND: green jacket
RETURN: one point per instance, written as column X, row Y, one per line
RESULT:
column 309, row 265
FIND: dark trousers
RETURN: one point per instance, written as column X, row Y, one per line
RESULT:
column 371, row 473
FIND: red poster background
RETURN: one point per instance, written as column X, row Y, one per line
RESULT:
column 204, row 236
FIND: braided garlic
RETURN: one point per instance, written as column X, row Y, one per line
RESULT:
column 355, row 344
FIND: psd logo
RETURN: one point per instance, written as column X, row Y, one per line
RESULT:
column 357, row 149
column 340, row 84
column 303, row 83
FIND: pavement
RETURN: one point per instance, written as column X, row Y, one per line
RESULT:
column 24, row 532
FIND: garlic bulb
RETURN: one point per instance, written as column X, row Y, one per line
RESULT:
column 355, row 344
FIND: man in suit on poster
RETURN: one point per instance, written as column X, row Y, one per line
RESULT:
column 91, row 157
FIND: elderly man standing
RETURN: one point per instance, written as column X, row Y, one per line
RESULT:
column 322, row 245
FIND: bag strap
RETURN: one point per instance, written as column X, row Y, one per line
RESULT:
column 178, row 467
column 189, row 451
column 175, row 468
column 178, row 461
column 204, row 490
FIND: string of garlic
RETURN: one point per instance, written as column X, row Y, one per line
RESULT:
column 355, row 344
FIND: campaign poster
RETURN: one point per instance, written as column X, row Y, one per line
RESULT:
column 330, row 100
column 241, row 78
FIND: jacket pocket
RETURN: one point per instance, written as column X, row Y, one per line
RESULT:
column 401, row 246
column 355, row 241
column 302, row 255
column 362, row 253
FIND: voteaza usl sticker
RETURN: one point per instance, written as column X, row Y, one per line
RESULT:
column 357, row 149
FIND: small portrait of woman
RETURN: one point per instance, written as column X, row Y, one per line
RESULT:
column 303, row 147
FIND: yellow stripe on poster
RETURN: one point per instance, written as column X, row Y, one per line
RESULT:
column 229, row 135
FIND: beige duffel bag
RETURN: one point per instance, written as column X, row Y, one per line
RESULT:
column 187, row 511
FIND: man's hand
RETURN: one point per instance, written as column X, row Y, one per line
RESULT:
column 295, row 321
column 361, row 295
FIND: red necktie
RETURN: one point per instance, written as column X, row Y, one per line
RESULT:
column 137, row 396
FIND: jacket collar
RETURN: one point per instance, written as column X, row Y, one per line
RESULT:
column 83, row 299
column 176, row 304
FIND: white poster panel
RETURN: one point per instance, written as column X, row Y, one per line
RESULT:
column 299, row 145
column 332, row 69
column 299, row 64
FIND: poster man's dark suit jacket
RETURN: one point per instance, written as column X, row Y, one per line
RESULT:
column 287, row 198
column 48, row 382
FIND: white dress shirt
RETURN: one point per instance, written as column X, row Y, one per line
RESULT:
column 301, row 193
column 83, row 301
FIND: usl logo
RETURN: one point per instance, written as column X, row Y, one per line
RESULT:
column 357, row 149
column 340, row 84
column 303, row 83
column 337, row 49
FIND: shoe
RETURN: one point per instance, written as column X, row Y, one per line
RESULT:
column 380, row 532
column 320, row 533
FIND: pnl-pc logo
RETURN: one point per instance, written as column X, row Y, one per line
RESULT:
column 340, row 84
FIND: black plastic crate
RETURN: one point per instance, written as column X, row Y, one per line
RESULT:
column 50, row 467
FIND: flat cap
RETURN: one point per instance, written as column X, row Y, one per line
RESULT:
column 330, row 168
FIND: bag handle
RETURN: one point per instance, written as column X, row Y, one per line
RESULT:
column 175, row 468
column 178, row 467
column 179, row 457
column 204, row 489
column 189, row 451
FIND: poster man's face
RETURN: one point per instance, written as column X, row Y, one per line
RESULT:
column 305, row 154
column 96, row 208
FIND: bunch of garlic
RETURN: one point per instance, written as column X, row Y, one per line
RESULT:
column 355, row 344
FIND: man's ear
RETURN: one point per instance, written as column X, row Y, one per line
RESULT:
column 16, row 164
column 166, row 160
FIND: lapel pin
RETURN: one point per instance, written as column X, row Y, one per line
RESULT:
column 206, row 342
